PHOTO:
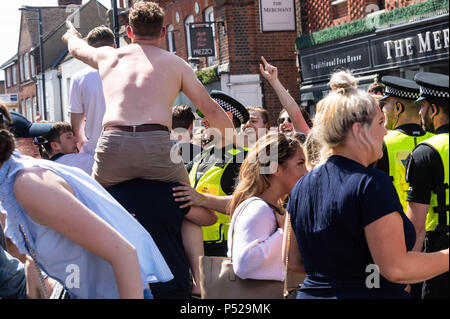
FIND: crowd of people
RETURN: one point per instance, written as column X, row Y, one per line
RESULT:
column 123, row 201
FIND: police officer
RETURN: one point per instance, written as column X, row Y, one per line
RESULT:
column 402, row 120
column 428, row 176
column 215, row 172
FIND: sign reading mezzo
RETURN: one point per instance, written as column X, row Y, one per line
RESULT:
column 277, row 15
column 202, row 41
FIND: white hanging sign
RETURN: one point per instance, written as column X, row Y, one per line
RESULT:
column 277, row 15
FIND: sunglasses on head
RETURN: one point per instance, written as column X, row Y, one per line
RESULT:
column 281, row 120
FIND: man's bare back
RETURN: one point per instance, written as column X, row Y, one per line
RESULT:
column 140, row 84
column 141, row 81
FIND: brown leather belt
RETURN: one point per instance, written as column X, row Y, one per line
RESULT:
column 137, row 128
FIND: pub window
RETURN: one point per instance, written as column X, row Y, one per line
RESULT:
column 34, row 107
column 14, row 74
column 8, row 77
column 21, row 67
column 29, row 112
column 33, row 66
column 68, row 83
column 189, row 19
column 339, row 9
column 209, row 16
column 170, row 39
column 381, row 4
column 26, row 62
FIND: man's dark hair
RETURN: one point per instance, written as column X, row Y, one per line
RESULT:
column 57, row 129
column 182, row 116
column 263, row 112
column 443, row 104
column 100, row 36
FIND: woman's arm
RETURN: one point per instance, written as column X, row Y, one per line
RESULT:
column 257, row 249
column 270, row 73
column 50, row 201
column 188, row 194
column 386, row 241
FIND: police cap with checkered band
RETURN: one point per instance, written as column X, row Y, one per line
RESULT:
column 229, row 104
column 400, row 87
column 432, row 86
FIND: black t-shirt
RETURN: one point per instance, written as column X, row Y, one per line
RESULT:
column 425, row 171
column 154, row 207
column 408, row 129
column 330, row 207
column 219, row 157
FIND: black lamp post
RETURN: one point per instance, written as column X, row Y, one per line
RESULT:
column 41, row 51
column 115, row 22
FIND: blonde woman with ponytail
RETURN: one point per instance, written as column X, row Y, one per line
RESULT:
column 266, row 177
column 352, row 237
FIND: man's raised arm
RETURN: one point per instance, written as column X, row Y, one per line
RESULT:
column 78, row 47
column 198, row 95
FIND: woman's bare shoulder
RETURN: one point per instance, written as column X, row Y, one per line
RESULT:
column 35, row 178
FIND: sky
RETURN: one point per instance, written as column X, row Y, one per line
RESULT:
column 10, row 23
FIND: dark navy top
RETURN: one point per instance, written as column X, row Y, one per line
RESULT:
column 153, row 206
column 330, row 206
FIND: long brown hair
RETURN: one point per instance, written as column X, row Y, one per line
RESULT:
column 5, row 117
column 255, row 172
column 6, row 145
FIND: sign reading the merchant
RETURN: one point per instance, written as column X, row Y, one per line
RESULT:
column 412, row 46
column 277, row 15
column 423, row 43
column 202, row 41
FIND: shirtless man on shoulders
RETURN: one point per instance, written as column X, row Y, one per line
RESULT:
column 140, row 82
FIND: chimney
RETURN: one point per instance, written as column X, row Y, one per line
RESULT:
column 69, row 2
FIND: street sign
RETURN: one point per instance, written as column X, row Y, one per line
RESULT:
column 202, row 41
column 9, row 98
column 277, row 15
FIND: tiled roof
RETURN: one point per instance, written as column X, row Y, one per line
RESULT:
column 51, row 18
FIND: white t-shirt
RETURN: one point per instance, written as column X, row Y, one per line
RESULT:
column 86, row 96
column 84, row 161
column 257, row 248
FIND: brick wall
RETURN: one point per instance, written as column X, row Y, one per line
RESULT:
column 27, row 91
column 242, row 45
column 320, row 14
column 13, row 88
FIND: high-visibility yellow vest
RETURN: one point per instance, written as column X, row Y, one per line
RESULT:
column 440, row 143
column 399, row 146
column 209, row 183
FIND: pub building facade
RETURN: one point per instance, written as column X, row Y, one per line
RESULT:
column 399, row 42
